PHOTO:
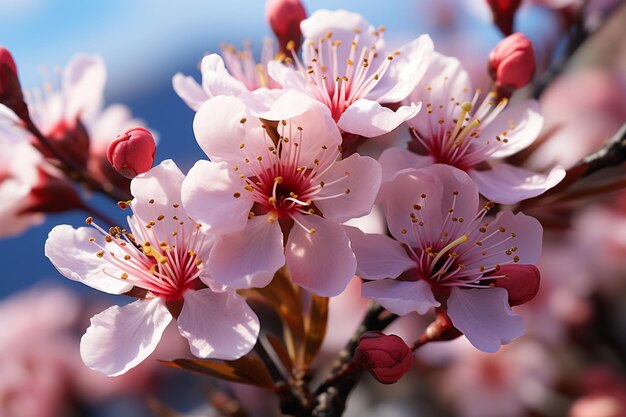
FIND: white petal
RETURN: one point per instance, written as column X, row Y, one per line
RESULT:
column 507, row 184
column 368, row 118
column 83, row 85
column 208, row 195
column 189, row 90
column 74, row 256
column 528, row 122
column 405, row 72
column 218, row 325
column 289, row 104
column 322, row 261
column 161, row 185
column 401, row 297
column 249, row 257
column 357, row 191
column 485, row 317
column 377, row 256
column 216, row 80
column 288, row 77
column 394, row 160
column 120, row 338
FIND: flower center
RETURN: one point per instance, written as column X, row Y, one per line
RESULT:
column 163, row 262
column 336, row 80
column 454, row 137
column 458, row 252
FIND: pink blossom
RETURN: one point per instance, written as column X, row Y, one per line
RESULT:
column 456, row 130
column 346, row 67
column 235, row 73
column 444, row 251
column 267, row 188
column 161, row 260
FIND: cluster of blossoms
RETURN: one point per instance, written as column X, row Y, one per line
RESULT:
column 283, row 176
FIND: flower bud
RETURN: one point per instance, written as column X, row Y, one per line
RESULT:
column 504, row 13
column 522, row 282
column 132, row 152
column 512, row 63
column 386, row 357
column 284, row 17
column 10, row 88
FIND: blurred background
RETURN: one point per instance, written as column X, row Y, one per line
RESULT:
column 144, row 43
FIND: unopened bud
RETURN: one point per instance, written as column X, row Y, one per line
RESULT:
column 521, row 282
column 504, row 13
column 386, row 357
column 284, row 17
column 512, row 63
column 69, row 138
column 10, row 88
column 132, row 152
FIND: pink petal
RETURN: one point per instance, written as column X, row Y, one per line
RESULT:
column 528, row 123
column 287, row 105
column 222, row 125
column 377, row 256
column 405, row 71
column 453, row 180
column 83, row 85
column 445, row 78
column 161, row 185
column 218, row 325
column 249, row 257
column 216, row 80
column 401, row 297
column 288, row 77
column 359, row 199
column 74, row 256
column 393, row 160
column 189, row 91
column 209, row 197
column 507, row 184
column 119, row 338
column 485, row 317
column 323, row 261
column 368, row 118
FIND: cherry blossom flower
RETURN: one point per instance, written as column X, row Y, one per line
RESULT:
column 235, row 73
column 160, row 261
column 346, row 67
column 19, row 175
column 446, row 251
column 457, row 130
column 275, row 193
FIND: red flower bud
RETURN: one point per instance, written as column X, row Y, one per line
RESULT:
column 70, row 139
column 386, row 357
column 10, row 88
column 284, row 17
column 132, row 153
column 522, row 283
column 504, row 13
column 512, row 63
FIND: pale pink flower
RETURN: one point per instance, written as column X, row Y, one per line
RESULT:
column 262, row 191
column 446, row 250
column 19, row 175
column 346, row 67
column 457, row 130
column 235, row 73
column 161, row 260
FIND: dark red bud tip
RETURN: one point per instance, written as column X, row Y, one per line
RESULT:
column 10, row 88
column 504, row 13
column 386, row 357
column 522, row 283
column 132, row 153
column 284, row 17
column 512, row 63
